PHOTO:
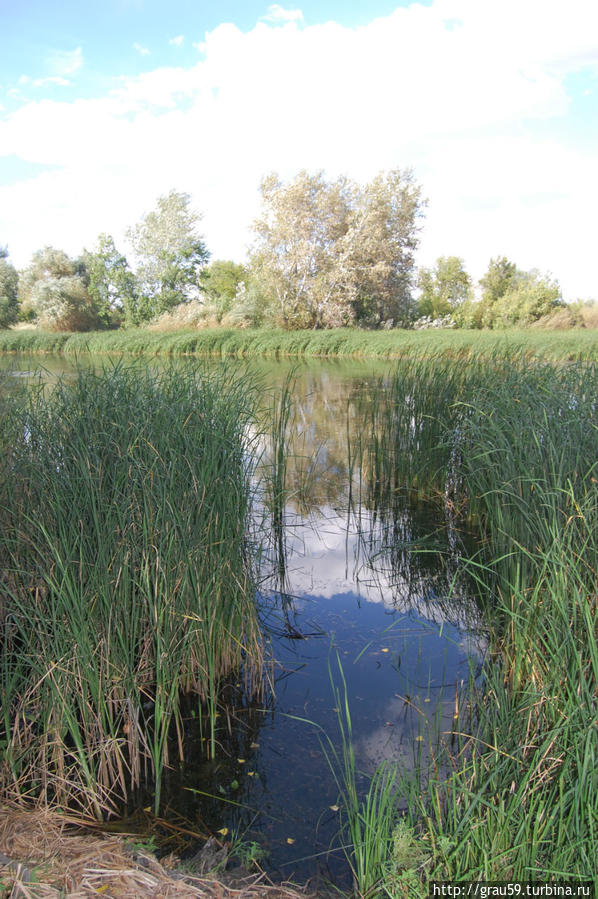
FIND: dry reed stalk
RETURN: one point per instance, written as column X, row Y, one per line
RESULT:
column 44, row 853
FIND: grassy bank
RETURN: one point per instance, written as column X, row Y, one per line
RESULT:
column 128, row 582
column 220, row 343
column 515, row 449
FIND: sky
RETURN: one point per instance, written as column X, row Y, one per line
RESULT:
column 493, row 104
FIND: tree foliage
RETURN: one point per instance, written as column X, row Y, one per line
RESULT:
column 55, row 288
column 331, row 253
column 511, row 296
column 112, row 284
column 533, row 297
column 220, row 283
column 9, row 282
column 444, row 288
column 170, row 254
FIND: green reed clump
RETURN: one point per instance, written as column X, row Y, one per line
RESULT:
column 522, row 804
column 403, row 447
column 509, row 446
column 528, row 444
column 127, row 577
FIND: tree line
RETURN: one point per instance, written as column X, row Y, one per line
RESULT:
column 325, row 253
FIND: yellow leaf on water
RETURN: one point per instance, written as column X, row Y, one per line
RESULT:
column 333, row 808
column 290, row 841
column 419, row 739
column 223, row 831
column 385, row 650
column 241, row 761
column 254, row 745
column 252, row 773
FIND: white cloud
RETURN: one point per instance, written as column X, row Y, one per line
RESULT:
column 177, row 41
column 42, row 82
column 143, row 51
column 65, row 62
column 277, row 13
column 463, row 92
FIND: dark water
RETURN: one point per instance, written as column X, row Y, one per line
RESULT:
column 367, row 594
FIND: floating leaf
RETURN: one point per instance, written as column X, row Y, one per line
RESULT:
column 234, row 784
column 290, row 840
column 241, row 761
column 223, row 831
column 385, row 650
column 334, row 808
column 254, row 745
column 253, row 774
column 419, row 739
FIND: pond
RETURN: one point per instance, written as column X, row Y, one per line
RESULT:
column 359, row 594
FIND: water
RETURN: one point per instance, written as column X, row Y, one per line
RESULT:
column 373, row 590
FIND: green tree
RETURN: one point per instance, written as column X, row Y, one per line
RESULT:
column 170, row 254
column 9, row 284
column 331, row 253
column 219, row 283
column 533, row 296
column 511, row 296
column 112, row 284
column 501, row 277
column 444, row 288
column 55, row 288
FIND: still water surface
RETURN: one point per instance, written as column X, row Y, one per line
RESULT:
column 382, row 598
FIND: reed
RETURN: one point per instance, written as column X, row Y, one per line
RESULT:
column 511, row 447
column 569, row 345
column 128, row 580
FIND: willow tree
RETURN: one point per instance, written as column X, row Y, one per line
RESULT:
column 55, row 288
column 332, row 253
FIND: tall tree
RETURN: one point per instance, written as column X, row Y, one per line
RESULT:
column 385, row 236
column 328, row 253
column 55, row 288
column 501, row 277
column 9, row 284
column 443, row 288
column 112, row 284
column 170, row 254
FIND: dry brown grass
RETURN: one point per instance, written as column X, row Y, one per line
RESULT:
column 49, row 855
column 589, row 314
column 187, row 315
